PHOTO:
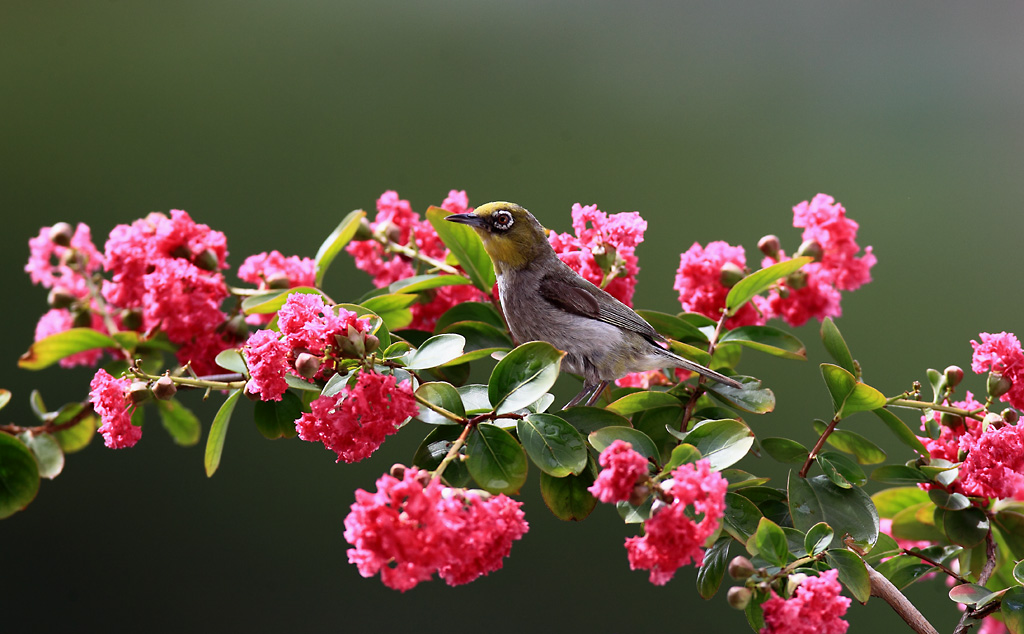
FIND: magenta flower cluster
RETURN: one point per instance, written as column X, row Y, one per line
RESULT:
column 109, row 398
column 817, row 607
column 621, row 469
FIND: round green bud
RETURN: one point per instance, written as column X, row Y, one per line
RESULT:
column 811, row 248
column 278, row 282
column 371, row 343
column 796, row 280
column 953, row 375
column 237, row 328
column 131, row 319
column 770, row 245
column 730, row 274
column 397, row 470
column 81, row 319
column 948, row 419
column 181, row 251
column 998, row 384
column 164, row 388
column 139, row 392
column 740, row 568
column 1010, row 416
column 738, row 597
column 207, row 260
column 60, row 298
column 61, row 234
column 307, row 365
column 363, row 231
column 992, row 420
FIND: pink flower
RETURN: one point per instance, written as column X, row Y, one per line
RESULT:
column 308, row 324
column 47, row 265
column 109, row 397
column 817, row 298
column 815, row 608
column 58, row 320
column 698, row 280
column 267, row 358
column 601, row 243
column 947, row 445
column 182, row 300
column 201, row 350
column 672, row 539
column 354, row 422
column 274, row 270
column 990, row 625
column 994, row 467
column 482, row 529
column 1001, row 353
column 621, row 469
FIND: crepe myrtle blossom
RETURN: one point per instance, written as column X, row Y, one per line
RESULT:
column 994, row 467
column 275, row 271
column 951, row 438
column 110, row 399
column 816, row 607
column 621, row 469
column 267, row 359
column 1001, row 353
column 58, row 256
column 699, row 282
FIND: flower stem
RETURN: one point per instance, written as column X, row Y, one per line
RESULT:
column 922, row 405
column 194, row 382
column 415, row 254
column 928, row 560
column 437, row 409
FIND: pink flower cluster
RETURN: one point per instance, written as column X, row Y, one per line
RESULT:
column 817, row 607
column 412, row 527
column 644, row 380
column 603, row 243
column 813, row 292
column 109, row 398
column 672, row 539
column 994, row 467
column 621, row 469
column 354, row 422
column 1001, row 353
column 274, row 270
column 396, row 221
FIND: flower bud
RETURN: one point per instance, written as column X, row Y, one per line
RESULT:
column 770, row 246
column 961, row 454
column 60, row 298
column 280, row 281
column 181, row 251
column 397, row 471
column 811, row 248
column 139, row 392
column 81, row 319
column 363, row 231
column 251, row 391
column 604, row 256
column 639, row 494
column 1010, row 416
column 164, row 388
column 953, row 375
column 794, row 582
column 131, row 319
column 796, row 280
column 998, row 384
column 61, row 233
column 393, row 233
column 738, row 597
column 237, row 328
column 991, row 420
column 951, row 420
column 70, row 258
column 207, row 260
column 730, row 274
column 740, row 568
column 307, row 365
column 371, row 343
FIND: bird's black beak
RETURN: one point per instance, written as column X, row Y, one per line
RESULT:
column 472, row 220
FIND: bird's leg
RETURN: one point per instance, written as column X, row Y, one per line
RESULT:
column 588, row 389
column 597, row 393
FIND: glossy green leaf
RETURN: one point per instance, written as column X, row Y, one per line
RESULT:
column 739, row 479
column 900, row 430
column 968, row 593
column 949, row 501
column 903, row 570
column 865, row 451
column 35, row 401
column 640, row 442
column 19, row 475
column 722, row 442
column 852, row 572
column 47, row 452
column 335, row 242
column 660, row 425
column 836, row 346
column 1011, row 526
column 942, row 471
column 693, row 353
column 481, row 336
column 231, row 359
column 849, row 395
column 673, row 327
column 818, row 538
column 634, row 514
column 78, row 436
column 272, row 301
column 180, row 422
column 967, row 527
column 1018, row 572
column 50, row 350
column 444, row 396
column 495, row 459
column 276, row 419
column 785, row 450
column 712, row 571
column 681, row 454
column 841, row 470
column 770, row 542
column 1012, row 610
column 393, row 309
column 568, row 497
column 742, row 517
column 753, row 397
column 523, row 375
column 817, row 499
column 218, row 431
column 588, row 419
column 767, row 339
column 434, row 448
column 379, row 327
column 466, row 246
column 760, row 281
column 898, row 474
column 470, row 311
column 639, row 401
column 917, row 523
column 885, row 547
column 889, row 502
column 420, row 283
column 437, row 350
column 553, row 444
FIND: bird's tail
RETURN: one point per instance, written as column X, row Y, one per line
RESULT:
column 686, row 364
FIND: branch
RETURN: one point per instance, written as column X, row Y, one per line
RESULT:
column 928, row 560
column 986, row 572
column 818, row 445
column 884, row 590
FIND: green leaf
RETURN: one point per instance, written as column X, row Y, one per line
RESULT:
column 889, row 502
column 722, row 442
column 523, row 375
column 968, row 593
column 470, row 311
column 588, row 419
column 443, row 395
column 642, row 444
column 752, row 397
column 1011, row 525
column 19, row 475
column 218, row 430
column 770, row 542
column 767, row 339
column 903, row 570
column 817, row 499
column 841, row 470
column 435, row 447
column 849, row 395
column 852, row 572
column 466, row 246
column 231, row 359
column 301, row 384
column 660, row 425
column 785, row 450
column 78, row 436
column 760, row 281
column 52, row 349
column 885, row 547
column 742, row 517
column 1018, row 572
column 739, row 479
column 272, row 301
column 568, row 497
column 693, row 353
column 436, row 351
column 967, row 527
column 681, row 454
column 673, row 327
column 276, row 419
column 379, row 328
column 495, row 459
column 180, row 423
column 335, row 242
column 949, row 501
column 900, row 430
column 634, row 514
column 481, row 336
column 393, row 309
column 712, row 571
column 1012, row 610
column 553, row 444
column 639, row 401
column 47, row 452
column 836, row 346
column 865, row 451
column 917, row 523
column 818, row 538
column 420, row 283
column 35, row 401
column 898, row 474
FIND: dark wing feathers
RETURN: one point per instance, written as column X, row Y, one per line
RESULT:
column 580, row 297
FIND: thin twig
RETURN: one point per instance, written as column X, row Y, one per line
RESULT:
column 929, row 560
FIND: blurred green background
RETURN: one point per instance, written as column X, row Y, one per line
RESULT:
column 270, row 120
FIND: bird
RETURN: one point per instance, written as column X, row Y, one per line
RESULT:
column 545, row 300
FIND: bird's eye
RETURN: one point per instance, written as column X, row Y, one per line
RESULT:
column 502, row 220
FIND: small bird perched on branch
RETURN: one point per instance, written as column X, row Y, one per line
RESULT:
column 545, row 300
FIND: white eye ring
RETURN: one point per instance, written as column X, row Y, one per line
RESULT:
column 503, row 220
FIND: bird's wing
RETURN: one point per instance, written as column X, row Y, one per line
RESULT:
column 578, row 296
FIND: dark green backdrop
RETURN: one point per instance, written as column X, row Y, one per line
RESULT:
column 269, row 120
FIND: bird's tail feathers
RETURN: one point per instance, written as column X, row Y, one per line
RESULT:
column 686, row 364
